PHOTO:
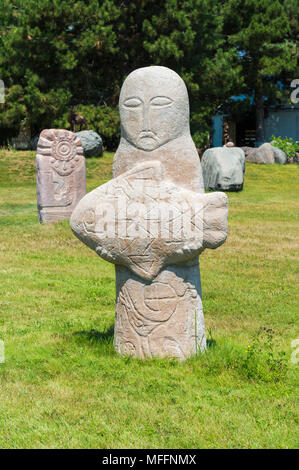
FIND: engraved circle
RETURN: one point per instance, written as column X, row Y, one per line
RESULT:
column 64, row 150
column 129, row 349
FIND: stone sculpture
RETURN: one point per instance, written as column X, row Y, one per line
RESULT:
column 152, row 220
column 22, row 141
column 60, row 174
column 223, row 169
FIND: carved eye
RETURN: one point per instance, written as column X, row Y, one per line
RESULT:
column 132, row 102
column 161, row 101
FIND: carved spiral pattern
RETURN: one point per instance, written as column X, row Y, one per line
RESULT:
column 64, row 149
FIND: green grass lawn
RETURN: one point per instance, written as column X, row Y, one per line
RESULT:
column 63, row 386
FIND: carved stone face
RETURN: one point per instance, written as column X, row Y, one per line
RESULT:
column 153, row 107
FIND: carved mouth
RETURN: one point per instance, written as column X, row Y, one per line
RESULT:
column 147, row 135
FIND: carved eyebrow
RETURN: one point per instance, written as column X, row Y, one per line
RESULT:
column 132, row 102
column 161, row 101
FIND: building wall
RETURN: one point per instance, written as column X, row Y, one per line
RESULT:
column 217, row 130
column 282, row 123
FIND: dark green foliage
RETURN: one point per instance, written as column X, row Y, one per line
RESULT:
column 263, row 33
column 57, row 53
column 103, row 120
column 187, row 37
column 287, row 145
column 53, row 54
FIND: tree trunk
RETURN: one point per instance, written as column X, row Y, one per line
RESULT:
column 260, row 134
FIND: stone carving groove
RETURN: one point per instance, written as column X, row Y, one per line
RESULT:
column 144, row 222
column 153, row 220
column 60, row 174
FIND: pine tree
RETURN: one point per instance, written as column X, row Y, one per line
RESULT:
column 54, row 53
column 261, row 32
column 185, row 35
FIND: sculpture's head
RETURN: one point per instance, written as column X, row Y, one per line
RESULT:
column 153, row 107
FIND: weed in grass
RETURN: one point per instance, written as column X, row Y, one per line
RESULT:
column 261, row 361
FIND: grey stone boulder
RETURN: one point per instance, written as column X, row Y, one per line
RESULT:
column 91, row 142
column 279, row 155
column 247, row 150
column 223, row 169
column 262, row 154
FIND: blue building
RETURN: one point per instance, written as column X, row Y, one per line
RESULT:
column 281, row 121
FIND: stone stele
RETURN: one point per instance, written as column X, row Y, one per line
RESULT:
column 152, row 220
column 60, row 174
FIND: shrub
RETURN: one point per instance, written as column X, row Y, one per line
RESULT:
column 260, row 361
column 103, row 120
column 287, row 145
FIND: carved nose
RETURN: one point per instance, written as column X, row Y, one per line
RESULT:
column 146, row 120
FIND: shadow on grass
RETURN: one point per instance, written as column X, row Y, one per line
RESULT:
column 95, row 336
column 211, row 343
column 106, row 337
